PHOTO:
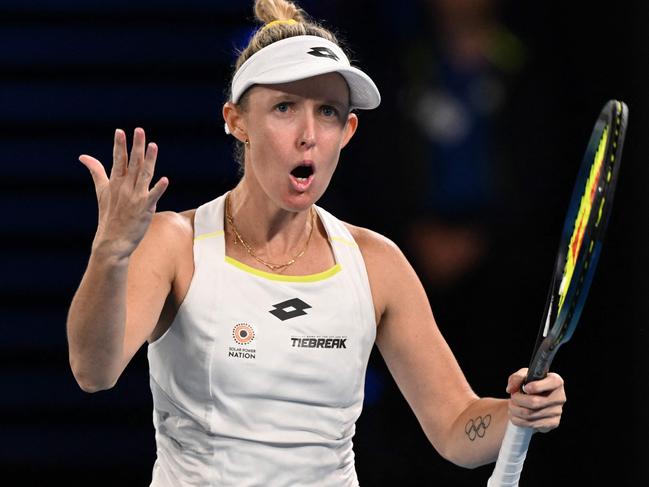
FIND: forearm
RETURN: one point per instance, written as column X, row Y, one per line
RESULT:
column 475, row 436
column 96, row 322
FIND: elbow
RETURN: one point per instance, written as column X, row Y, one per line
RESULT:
column 468, row 465
column 90, row 383
column 460, row 454
column 457, row 458
column 92, row 387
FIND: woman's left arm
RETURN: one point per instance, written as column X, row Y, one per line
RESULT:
column 462, row 427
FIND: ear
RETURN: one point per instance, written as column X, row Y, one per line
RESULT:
column 350, row 129
column 236, row 123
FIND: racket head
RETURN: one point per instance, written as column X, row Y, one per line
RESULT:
column 582, row 236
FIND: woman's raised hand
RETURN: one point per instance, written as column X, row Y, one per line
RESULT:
column 126, row 205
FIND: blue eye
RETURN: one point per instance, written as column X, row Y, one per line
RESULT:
column 329, row 111
column 282, row 107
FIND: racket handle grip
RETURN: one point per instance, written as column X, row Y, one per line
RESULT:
column 511, row 457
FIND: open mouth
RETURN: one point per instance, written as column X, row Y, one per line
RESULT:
column 302, row 172
column 302, row 177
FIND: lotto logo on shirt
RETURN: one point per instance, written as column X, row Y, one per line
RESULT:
column 319, row 342
column 242, row 334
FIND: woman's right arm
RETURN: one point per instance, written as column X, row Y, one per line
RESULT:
column 130, row 270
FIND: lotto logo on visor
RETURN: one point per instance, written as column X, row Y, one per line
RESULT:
column 323, row 52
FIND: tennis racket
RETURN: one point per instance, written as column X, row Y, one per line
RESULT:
column 579, row 249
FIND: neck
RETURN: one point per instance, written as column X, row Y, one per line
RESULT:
column 274, row 233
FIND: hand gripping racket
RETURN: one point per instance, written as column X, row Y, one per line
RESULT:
column 581, row 242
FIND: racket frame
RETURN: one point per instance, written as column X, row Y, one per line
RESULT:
column 513, row 451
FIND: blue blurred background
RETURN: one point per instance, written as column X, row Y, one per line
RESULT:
column 468, row 165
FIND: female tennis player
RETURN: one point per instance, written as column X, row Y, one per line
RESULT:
column 260, row 308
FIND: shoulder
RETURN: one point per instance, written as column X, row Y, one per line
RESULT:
column 171, row 222
column 373, row 245
column 170, row 228
column 169, row 236
column 387, row 267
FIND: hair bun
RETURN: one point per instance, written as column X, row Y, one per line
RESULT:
column 269, row 10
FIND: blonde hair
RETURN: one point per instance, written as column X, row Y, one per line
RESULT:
column 274, row 12
column 277, row 13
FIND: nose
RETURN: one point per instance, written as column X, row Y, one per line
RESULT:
column 307, row 138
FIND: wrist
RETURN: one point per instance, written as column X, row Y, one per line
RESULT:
column 110, row 252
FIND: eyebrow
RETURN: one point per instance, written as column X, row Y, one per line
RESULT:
column 283, row 95
column 336, row 103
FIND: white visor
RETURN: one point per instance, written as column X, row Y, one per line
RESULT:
column 302, row 57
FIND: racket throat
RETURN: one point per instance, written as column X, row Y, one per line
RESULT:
column 541, row 360
column 548, row 318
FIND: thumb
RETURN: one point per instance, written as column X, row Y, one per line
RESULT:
column 97, row 171
column 516, row 380
column 157, row 191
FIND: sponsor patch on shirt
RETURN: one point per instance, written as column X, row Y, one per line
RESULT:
column 243, row 334
column 319, row 341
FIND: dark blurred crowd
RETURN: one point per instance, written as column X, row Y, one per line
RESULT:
column 467, row 165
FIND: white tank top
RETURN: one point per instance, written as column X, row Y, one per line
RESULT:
column 260, row 378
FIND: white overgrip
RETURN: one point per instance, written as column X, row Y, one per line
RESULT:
column 511, row 457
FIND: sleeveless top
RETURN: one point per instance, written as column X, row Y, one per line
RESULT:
column 260, row 378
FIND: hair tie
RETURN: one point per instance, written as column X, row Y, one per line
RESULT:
column 275, row 22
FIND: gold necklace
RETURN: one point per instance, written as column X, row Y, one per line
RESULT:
column 272, row 267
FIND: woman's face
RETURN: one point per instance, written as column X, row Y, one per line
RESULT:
column 296, row 131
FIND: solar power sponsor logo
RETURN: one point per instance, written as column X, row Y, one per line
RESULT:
column 242, row 334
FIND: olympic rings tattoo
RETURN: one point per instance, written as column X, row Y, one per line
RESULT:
column 477, row 427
